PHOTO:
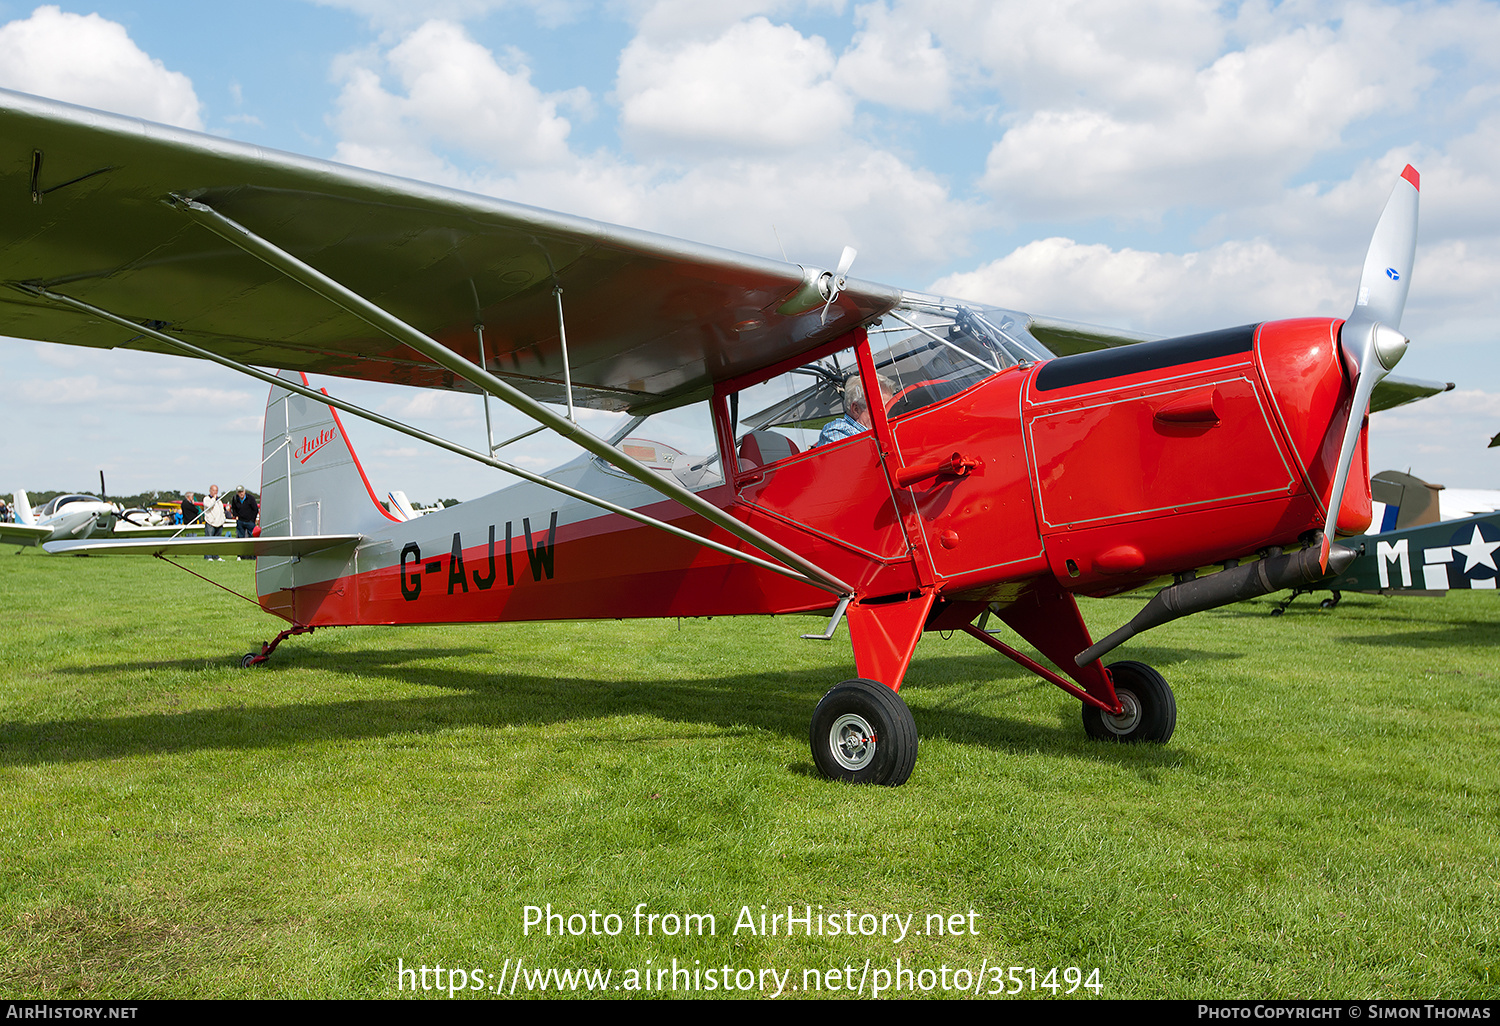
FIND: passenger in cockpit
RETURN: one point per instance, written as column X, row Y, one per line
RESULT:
column 856, row 418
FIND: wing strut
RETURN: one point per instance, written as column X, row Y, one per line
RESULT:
column 831, row 584
column 384, row 321
column 562, row 338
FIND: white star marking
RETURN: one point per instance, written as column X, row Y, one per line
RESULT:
column 1478, row 551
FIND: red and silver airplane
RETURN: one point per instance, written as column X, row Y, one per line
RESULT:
column 992, row 484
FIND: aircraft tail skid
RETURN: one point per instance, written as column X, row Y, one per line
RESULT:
column 311, row 484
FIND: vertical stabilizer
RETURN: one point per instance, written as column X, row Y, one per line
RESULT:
column 24, row 515
column 311, row 483
column 401, row 505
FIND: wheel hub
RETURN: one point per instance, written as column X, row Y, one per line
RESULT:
column 1129, row 716
column 852, row 741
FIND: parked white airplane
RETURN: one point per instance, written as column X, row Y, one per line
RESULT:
column 145, row 523
column 64, row 518
column 403, row 507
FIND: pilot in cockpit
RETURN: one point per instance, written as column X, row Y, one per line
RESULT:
column 856, row 418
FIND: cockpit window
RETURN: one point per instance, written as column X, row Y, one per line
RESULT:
column 679, row 443
column 62, row 500
column 933, row 348
column 815, row 404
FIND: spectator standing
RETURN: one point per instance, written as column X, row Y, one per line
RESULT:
column 246, row 511
column 213, row 516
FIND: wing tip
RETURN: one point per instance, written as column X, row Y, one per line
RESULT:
column 1410, row 174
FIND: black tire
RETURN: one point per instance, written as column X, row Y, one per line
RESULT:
column 1277, row 611
column 1329, row 603
column 248, row 660
column 863, row 732
column 1150, row 708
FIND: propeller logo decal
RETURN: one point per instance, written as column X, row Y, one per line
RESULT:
column 1393, row 274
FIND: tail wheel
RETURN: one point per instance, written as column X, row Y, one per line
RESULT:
column 1150, row 712
column 863, row 732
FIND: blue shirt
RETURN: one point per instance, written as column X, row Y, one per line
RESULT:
column 835, row 430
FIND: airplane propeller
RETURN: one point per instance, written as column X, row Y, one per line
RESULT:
column 1370, row 342
column 833, row 284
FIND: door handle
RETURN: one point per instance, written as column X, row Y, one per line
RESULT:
column 956, row 465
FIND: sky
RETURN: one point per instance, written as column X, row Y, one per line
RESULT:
column 1164, row 165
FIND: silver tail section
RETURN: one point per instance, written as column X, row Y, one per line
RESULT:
column 311, row 484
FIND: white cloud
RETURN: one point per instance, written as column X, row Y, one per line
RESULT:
column 893, row 62
column 754, row 87
column 1089, row 52
column 399, row 14
column 209, row 399
column 456, row 97
column 1162, row 293
column 89, row 60
column 1237, row 128
column 819, row 187
column 1443, row 439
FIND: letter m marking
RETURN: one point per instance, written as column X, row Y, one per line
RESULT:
column 1385, row 553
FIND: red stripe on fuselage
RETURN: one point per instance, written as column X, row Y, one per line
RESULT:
column 605, row 567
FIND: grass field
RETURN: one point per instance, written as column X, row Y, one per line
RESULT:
column 1325, row 822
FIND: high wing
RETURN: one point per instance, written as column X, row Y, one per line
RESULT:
column 650, row 321
column 86, row 212
column 301, row 545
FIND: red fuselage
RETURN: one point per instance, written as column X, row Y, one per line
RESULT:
column 1104, row 471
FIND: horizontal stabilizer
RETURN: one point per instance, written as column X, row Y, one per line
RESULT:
column 302, row 545
column 1393, row 391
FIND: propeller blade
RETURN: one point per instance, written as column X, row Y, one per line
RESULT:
column 836, row 283
column 846, row 261
column 1369, row 339
column 1386, row 277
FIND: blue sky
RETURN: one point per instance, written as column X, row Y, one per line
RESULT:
column 1165, row 165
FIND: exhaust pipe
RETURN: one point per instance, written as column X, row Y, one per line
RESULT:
column 1274, row 573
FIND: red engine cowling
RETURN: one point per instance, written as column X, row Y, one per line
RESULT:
column 1164, row 456
column 1311, row 391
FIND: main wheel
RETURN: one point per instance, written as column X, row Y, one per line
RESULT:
column 863, row 733
column 1150, row 712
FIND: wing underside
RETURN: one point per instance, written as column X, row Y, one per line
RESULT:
column 84, row 213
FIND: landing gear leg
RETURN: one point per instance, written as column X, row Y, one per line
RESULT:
column 250, row 659
column 863, row 732
column 1282, row 605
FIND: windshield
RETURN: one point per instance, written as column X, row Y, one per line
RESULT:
column 62, row 500
column 933, row 348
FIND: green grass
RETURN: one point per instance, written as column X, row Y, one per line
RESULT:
column 1323, row 823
